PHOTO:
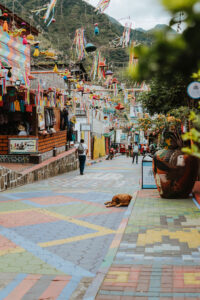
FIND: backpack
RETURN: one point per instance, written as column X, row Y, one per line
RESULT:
column 80, row 149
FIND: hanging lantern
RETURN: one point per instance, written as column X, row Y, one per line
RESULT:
column 37, row 51
column 119, row 107
column 25, row 42
column 9, row 72
column 96, row 29
column 23, row 25
column 30, row 37
column 115, row 80
column 90, row 47
column 109, row 73
column 102, row 64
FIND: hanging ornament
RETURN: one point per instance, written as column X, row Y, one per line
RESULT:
column 37, row 51
column 96, row 29
column 25, row 42
column 5, row 26
column 109, row 73
column 119, row 107
column 55, row 69
column 30, row 37
column 9, row 72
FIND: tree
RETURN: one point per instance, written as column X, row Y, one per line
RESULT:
column 163, row 97
column 171, row 56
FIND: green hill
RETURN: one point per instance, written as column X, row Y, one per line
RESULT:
column 71, row 15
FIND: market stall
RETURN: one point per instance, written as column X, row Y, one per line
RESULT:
column 32, row 120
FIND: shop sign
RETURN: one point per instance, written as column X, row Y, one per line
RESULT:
column 23, row 146
column 85, row 127
column 148, row 181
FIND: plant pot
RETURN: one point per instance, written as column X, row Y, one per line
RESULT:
column 175, row 173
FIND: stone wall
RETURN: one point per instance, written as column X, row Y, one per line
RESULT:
column 9, row 179
column 63, row 163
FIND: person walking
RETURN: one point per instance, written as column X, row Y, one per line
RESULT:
column 145, row 150
column 135, row 152
column 130, row 147
column 82, row 153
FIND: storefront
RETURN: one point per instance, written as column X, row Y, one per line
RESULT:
column 33, row 121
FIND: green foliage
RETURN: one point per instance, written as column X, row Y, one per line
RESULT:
column 163, row 97
column 193, row 135
column 71, row 15
column 172, row 55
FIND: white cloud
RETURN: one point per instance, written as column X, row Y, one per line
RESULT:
column 143, row 13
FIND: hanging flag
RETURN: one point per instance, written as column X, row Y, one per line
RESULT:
column 50, row 8
column 102, row 5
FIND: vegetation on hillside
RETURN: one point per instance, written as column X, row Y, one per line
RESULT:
column 71, row 15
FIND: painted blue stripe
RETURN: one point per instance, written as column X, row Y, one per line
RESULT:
column 196, row 203
column 145, row 186
column 69, row 289
column 48, row 257
column 12, row 285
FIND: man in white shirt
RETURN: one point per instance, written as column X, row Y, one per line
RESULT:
column 135, row 152
column 82, row 153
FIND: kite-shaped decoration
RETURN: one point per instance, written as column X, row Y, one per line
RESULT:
column 102, row 5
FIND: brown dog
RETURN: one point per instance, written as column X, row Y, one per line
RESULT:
column 119, row 200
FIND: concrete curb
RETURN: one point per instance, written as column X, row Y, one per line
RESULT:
column 90, row 163
column 104, row 268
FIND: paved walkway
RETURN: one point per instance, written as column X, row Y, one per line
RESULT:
column 159, row 255
column 56, row 236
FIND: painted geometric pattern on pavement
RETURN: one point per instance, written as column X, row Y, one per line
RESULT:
column 55, row 234
column 159, row 255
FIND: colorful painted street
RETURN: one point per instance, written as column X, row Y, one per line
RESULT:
column 55, row 235
column 159, row 255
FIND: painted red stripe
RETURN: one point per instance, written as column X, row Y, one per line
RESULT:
column 55, row 287
column 19, row 292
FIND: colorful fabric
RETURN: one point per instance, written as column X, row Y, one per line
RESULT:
column 102, row 5
column 16, row 55
column 50, row 8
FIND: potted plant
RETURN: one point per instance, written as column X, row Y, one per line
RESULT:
column 175, row 172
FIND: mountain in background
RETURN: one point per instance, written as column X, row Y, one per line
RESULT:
column 71, row 15
column 161, row 27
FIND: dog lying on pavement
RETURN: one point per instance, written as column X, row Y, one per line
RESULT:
column 119, row 200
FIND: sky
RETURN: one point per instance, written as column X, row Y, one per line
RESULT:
column 141, row 13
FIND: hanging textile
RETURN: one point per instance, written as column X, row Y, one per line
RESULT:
column 102, row 5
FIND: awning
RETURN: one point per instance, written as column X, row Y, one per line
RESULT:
column 109, row 134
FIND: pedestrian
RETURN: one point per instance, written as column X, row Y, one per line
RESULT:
column 144, row 150
column 130, row 147
column 82, row 152
column 135, row 152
